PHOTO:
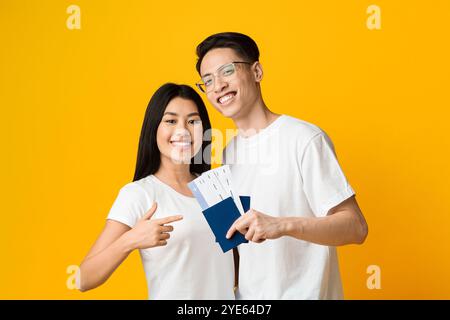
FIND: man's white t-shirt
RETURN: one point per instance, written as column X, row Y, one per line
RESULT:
column 191, row 265
column 288, row 169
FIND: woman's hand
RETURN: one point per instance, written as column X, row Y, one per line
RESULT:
column 149, row 233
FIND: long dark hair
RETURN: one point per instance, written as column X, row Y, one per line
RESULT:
column 148, row 158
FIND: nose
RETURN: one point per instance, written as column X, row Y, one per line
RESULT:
column 219, row 84
column 181, row 131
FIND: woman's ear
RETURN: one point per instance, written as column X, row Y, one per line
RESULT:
column 258, row 71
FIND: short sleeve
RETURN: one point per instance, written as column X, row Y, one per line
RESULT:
column 324, row 182
column 130, row 205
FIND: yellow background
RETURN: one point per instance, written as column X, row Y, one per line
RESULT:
column 73, row 101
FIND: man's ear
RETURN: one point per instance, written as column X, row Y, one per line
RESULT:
column 258, row 71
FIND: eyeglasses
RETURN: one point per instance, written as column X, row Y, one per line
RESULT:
column 207, row 81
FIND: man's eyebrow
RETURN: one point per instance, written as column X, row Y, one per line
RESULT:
column 219, row 68
column 210, row 73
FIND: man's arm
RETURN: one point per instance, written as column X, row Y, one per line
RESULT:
column 344, row 224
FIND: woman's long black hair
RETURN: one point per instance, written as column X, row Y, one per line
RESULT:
column 149, row 158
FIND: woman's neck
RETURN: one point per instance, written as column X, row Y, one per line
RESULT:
column 178, row 174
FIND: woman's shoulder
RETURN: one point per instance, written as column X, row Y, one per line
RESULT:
column 133, row 201
column 142, row 189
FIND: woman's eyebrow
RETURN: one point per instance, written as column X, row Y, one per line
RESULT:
column 176, row 114
column 171, row 113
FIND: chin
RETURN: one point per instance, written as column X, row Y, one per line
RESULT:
column 181, row 160
column 181, row 157
column 230, row 111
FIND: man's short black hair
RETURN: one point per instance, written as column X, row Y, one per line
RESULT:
column 242, row 44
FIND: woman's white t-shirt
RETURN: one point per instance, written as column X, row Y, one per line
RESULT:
column 288, row 169
column 191, row 265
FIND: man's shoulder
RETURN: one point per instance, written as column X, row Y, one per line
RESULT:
column 292, row 131
column 299, row 127
column 292, row 127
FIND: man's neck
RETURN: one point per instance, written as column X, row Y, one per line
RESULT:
column 259, row 117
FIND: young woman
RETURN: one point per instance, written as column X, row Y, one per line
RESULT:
column 157, row 214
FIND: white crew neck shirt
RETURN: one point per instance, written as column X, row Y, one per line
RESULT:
column 288, row 169
column 191, row 265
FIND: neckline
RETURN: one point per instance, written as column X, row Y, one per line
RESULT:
column 262, row 132
column 154, row 178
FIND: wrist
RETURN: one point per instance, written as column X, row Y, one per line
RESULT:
column 127, row 243
column 293, row 227
column 285, row 226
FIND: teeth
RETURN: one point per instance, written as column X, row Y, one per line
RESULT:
column 226, row 98
column 181, row 144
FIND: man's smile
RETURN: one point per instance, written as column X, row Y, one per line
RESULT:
column 226, row 98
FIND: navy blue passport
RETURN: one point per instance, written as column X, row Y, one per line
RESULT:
column 221, row 216
column 245, row 200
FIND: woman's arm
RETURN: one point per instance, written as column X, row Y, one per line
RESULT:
column 109, row 251
column 117, row 241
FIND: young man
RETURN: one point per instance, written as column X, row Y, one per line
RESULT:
column 302, row 204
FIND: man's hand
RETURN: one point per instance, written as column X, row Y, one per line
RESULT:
column 257, row 226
